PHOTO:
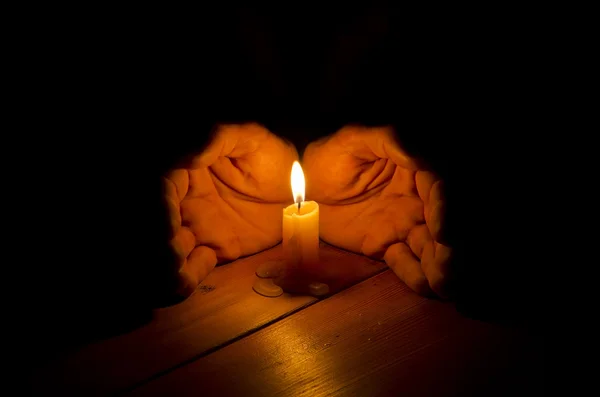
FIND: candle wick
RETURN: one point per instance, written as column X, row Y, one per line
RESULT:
column 299, row 202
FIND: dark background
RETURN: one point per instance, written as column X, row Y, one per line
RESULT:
column 122, row 101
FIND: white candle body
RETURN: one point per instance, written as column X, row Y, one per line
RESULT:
column 301, row 233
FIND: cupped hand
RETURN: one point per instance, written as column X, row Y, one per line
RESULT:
column 376, row 200
column 227, row 201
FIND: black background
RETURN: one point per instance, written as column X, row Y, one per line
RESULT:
column 120, row 102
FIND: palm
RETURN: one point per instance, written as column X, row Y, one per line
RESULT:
column 227, row 202
column 374, row 200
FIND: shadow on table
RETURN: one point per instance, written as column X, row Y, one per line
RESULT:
column 499, row 276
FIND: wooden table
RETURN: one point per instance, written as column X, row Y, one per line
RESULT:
column 371, row 336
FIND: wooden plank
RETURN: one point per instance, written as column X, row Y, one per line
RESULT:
column 222, row 309
column 376, row 338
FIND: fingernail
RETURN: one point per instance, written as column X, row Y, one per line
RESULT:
column 318, row 289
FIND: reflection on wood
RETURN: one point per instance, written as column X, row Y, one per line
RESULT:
column 222, row 309
column 376, row 338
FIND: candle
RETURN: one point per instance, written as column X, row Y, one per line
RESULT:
column 300, row 224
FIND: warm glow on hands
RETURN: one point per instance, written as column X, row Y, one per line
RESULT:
column 226, row 201
column 376, row 200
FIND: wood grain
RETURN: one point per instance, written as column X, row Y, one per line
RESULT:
column 376, row 338
column 222, row 309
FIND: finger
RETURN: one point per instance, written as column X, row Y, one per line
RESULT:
column 402, row 262
column 176, row 184
column 435, row 262
column 424, row 181
column 174, row 215
column 370, row 143
column 182, row 245
column 437, row 211
column 436, row 222
column 200, row 184
column 200, row 262
column 442, row 259
column 435, row 258
column 417, row 238
column 402, row 183
column 384, row 143
column 431, row 191
column 195, row 269
column 222, row 142
column 170, row 190
column 186, row 284
column 249, row 158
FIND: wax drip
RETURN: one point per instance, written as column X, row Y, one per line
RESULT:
column 270, row 269
column 266, row 287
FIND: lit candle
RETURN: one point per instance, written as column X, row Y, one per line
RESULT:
column 300, row 224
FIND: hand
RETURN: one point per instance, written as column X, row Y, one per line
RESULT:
column 227, row 201
column 376, row 200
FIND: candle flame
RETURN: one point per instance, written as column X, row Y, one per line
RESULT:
column 298, row 184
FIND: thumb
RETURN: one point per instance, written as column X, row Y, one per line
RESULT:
column 381, row 142
column 230, row 140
